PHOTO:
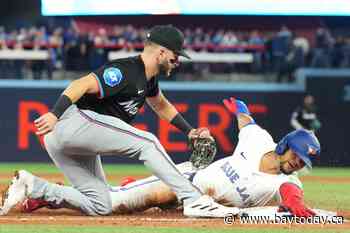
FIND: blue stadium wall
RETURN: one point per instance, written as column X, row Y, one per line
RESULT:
column 201, row 104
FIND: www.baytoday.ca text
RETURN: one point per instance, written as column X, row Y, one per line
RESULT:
column 277, row 219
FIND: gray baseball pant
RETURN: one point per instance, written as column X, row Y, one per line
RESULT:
column 75, row 145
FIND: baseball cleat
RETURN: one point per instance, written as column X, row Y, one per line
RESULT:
column 127, row 180
column 30, row 204
column 20, row 187
column 205, row 206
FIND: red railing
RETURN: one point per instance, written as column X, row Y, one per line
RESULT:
column 127, row 45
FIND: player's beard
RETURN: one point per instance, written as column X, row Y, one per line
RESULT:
column 164, row 68
column 283, row 170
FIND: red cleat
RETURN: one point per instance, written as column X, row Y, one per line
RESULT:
column 127, row 180
column 30, row 204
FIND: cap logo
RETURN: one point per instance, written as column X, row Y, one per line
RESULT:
column 112, row 76
column 311, row 151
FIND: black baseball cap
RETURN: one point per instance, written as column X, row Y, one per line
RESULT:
column 169, row 37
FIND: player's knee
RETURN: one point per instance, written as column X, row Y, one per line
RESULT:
column 99, row 202
column 104, row 209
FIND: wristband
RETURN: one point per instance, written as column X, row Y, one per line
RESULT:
column 61, row 105
column 179, row 122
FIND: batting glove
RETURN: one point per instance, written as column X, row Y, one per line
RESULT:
column 293, row 200
column 236, row 106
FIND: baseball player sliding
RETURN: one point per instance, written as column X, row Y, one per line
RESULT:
column 92, row 118
column 258, row 172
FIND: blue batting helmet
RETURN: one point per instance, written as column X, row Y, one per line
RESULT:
column 303, row 143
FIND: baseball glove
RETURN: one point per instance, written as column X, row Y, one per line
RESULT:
column 203, row 151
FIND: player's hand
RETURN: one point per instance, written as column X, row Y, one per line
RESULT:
column 302, row 211
column 236, row 106
column 199, row 133
column 298, row 210
column 45, row 123
column 293, row 200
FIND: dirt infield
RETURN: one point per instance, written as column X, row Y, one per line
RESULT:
column 151, row 218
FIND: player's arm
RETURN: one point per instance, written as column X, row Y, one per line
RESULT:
column 162, row 107
column 292, row 199
column 294, row 120
column 75, row 90
column 240, row 110
column 166, row 111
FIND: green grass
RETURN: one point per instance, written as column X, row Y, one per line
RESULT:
column 139, row 169
column 330, row 172
column 49, row 168
column 104, row 229
column 327, row 196
column 317, row 194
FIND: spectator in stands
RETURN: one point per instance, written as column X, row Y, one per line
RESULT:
column 229, row 39
column 12, row 37
column 128, row 29
column 337, row 55
column 255, row 39
column 22, row 36
column 346, row 53
column 13, row 68
column 281, row 45
column 40, row 42
column 295, row 58
column 218, row 37
column 32, row 34
column 2, row 33
column 56, row 49
column 73, row 49
column 303, row 43
column 77, row 51
column 188, row 36
column 18, row 65
column 3, row 46
column 198, row 39
column 284, row 32
column 305, row 116
column 207, row 40
column 97, row 55
column 323, row 45
column 102, row 37
column 116, row 36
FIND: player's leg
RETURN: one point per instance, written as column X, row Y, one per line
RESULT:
column 116, row 137
column 89, row 191
column 146, row 193
column 141, row 195
column 88, row 195
column 119, row 138
column 98, row 170
column 31, row 204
